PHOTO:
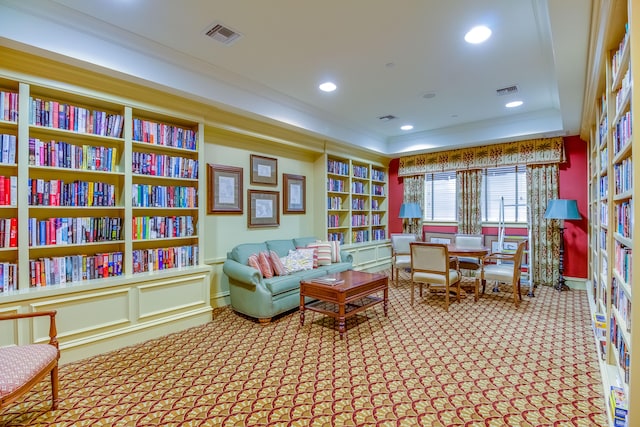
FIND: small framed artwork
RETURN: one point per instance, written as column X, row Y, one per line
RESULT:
column 264, row 170
column 224, row 185
column 294, row 192
column 264, row 208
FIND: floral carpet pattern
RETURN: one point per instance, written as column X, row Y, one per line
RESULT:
column 479, row 364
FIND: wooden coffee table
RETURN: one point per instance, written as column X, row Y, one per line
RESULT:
column 352, row 295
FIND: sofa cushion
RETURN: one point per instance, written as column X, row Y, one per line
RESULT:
column 278, row 285
column 281, row 247
column 242, row 251
column 336, row 267
column 302, row 242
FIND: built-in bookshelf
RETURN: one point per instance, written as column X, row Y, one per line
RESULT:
column 92, row 189
column 612, row 186
column 356, row 201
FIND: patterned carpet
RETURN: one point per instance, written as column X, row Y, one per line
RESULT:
column 481, row 364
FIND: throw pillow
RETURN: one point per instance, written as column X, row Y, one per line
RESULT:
column 265, row 264
column 315, row 254
column 252, row 261
column 307, row 256
column 335, row 249
column 323, row 250
column 277, row 265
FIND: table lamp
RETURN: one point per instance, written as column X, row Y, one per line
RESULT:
column 409, row 212
column 562, row 209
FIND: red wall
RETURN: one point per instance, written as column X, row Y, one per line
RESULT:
column 572, row 185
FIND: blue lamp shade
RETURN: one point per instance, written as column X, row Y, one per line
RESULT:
column 562, row 209
column 410, row 210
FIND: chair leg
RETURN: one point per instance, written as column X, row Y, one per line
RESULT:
column 412, row 285
column 475, row 289
column 54, row 388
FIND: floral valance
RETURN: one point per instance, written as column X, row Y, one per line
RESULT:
column 532, row 151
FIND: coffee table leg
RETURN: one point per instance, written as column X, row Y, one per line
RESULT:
column 385, row 300
column 342, row 324
column 301, row 310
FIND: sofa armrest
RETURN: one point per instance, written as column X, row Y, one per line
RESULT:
column 346, row 257
column 241, row 273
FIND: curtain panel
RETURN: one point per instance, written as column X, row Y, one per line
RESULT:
column 532, row 151
column 468, row 193
column 414, row 193
column 544, row 249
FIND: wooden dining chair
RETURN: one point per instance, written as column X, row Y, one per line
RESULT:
column 400, row 253
column 504, row 268
column 431, row 266
column 24, row 366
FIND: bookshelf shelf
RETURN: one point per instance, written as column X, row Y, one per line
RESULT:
column 356, row 201
column 612, row 183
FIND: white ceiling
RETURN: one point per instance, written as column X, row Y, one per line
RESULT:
column 384, row 56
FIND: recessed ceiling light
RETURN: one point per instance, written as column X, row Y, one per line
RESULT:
column 477, row 34
column 513, row 104
column 406, row 127
column 328, row 87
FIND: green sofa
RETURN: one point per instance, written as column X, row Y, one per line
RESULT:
column 253, row 295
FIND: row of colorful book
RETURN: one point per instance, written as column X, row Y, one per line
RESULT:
column 74, row 230
column 154, row 164
column 164, row 134
column 162, row 227
column 8, row 149
column 58, row 115
column 8, row 232
column 74, row 268
column 61, row 154
column 56, row 192
column 8, row 190
column 160, row 196
column 8, row 277
column 148, row 260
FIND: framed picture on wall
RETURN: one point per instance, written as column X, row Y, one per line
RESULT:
column 264, row 170
column 294, row 191
column 264, row 208
column 224, row 185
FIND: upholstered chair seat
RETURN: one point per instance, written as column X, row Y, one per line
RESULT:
column 24, row 366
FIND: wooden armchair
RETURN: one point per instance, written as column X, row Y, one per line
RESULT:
column 401, row 254
column 504, row 268
column 23, row 366
column 432, row 266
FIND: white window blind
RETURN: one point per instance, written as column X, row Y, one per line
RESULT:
column 440, row 196
column 509, row 183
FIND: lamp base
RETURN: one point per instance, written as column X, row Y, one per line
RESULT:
column 561, row 286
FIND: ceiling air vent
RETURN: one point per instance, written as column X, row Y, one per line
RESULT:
column 223, row 34
column 387, row 118
column 507, row 90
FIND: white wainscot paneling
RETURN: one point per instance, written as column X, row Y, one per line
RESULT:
column 89, row 313
column 169, row 296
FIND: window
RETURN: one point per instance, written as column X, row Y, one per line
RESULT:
column 508, row 183
column 440, row 196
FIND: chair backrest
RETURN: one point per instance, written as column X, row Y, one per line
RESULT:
column 517, row 260
column 431, row 257
column 400, row 243
column 469, row 241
